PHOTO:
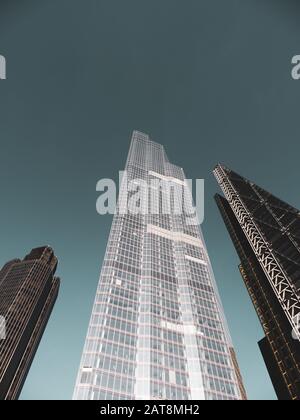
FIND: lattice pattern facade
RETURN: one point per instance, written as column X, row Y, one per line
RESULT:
column 266, row 234
column 157, row 329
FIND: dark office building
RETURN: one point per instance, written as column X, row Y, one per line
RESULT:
column 266, row 234
column 28, row 290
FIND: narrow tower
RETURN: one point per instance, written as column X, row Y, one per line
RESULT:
column 28, row 292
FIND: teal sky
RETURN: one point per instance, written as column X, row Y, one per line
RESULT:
column 210, row 79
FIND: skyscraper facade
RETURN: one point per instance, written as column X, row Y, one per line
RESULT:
column 28, row 290
column 157, row 329
column 266, row 234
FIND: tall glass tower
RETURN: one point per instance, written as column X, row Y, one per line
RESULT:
column 266, row 234
column 157, row 329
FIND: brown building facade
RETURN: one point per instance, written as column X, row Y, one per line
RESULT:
column 28, row 291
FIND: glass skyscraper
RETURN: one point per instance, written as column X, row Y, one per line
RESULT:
column 266, row 234
column 157, row 329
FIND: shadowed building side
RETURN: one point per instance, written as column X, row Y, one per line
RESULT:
column 28, row 291
column 265, row 232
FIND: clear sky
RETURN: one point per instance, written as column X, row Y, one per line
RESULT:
column 210, row 79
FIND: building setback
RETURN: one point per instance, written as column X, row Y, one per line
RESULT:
column 157, row 329
column 28, row 290
column 266, row 234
